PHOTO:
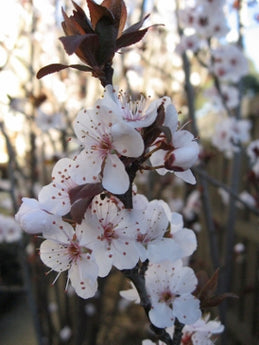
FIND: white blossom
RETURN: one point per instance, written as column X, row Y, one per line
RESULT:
column 169, row 287
column 111, row 235
column 65, row 249
column 105, row 138
column 230, row 64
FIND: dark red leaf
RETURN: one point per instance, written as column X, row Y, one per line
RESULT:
column 130, row 38
column 81, row 68
column 210, row 285
column 119, row 11
column 78, row 209
column 81, row 197
column 52, row 68
column 56, row 67
column 81, row 18
column 72, row 43
column 137, row 26
column 97, row 12
column 216, row 300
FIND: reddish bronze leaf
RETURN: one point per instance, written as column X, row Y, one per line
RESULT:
column 136, row 26
column 210, row 285
column 72, row 43
column 130, row 38
column 81, row 197
column 56, row 67
column 52, row 68
column 119, row 11
column 97, row 12
column 216, row 300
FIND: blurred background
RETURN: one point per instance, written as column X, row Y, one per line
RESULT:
column 36, row 130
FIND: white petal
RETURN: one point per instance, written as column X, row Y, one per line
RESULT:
column 115, row 178
column 126, row 140
column 157, row 159
column 54, row 200
column 187, row 309
column 86, row 167
column 186, row 239
column 186, row 156
column 32, row 218
column 61, row 169
column 186, row 176
column 176, row 222
column 171, row 118
column 184, row 281
column 182, row 138
column 54, row 255
column 156, row 218
column 125, row 254
column 104, row 260
column 166, row 249
column 83, row 276
column 161, row 315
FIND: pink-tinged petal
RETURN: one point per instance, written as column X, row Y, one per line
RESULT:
column 187, row 309
column 184, row 281
column 126, row 140
column 86, row 167
column 186, row 239
column 54, row 200
column 83, row 276
column 115, row 178
column 186, row 176
column 161, row 315
column 164, row 250
column 54, row 255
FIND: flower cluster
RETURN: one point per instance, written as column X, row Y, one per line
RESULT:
column 230, row 64
column 207, row 18
column 202, row 332
column 83, row 213
column 230, row 134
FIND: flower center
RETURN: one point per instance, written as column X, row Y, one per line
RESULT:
column 108, row 233
column 74, row 251
column 132, row 110
column 104, row 146
column 167, row 297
